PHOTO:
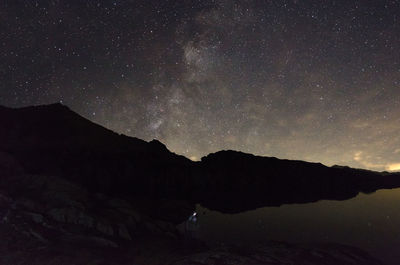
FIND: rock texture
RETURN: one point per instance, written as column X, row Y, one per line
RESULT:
column 49, row 220
column 55, row 203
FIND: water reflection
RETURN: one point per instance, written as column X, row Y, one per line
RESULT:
column 371, row 222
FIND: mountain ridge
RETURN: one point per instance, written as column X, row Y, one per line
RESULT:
column 54, row 140
column 61, row 107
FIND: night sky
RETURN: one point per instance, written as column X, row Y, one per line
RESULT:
column 310, row 80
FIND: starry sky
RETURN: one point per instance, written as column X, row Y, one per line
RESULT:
column 297, row 79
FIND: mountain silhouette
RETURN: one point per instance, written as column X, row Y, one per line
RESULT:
column 238, row 181
column 54, row 140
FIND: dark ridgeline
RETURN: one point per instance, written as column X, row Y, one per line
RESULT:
column 236, row 181
column 53, row 140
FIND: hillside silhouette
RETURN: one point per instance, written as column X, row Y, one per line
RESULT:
column 54, row 140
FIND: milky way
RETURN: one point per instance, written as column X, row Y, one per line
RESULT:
column 310, row 80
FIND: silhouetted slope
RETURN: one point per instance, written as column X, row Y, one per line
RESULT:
column 53, row 140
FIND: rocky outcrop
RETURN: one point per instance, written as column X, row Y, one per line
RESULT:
column 50, row 220
column 55, row 204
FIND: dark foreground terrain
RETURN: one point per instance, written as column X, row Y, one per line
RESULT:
column 48, row 220
column 73, row 192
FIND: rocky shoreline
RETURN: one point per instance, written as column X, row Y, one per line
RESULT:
column 48, row 220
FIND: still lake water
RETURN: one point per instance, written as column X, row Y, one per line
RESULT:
column 370, row 222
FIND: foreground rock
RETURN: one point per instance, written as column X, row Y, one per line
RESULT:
column 55, row 203
column 49, row 220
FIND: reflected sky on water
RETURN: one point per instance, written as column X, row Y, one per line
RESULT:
column 368, row 221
